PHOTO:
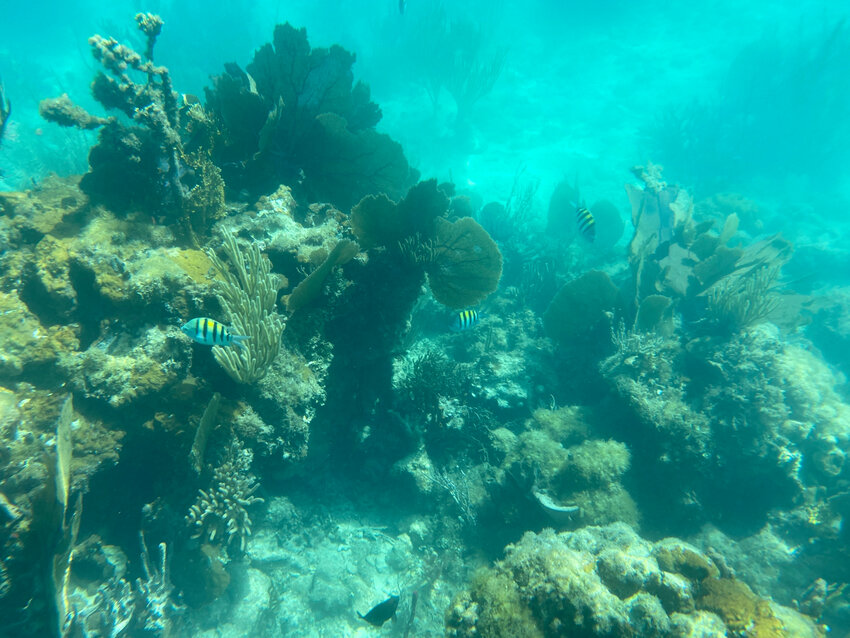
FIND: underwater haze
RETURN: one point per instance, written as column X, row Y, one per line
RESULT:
column 422, row 318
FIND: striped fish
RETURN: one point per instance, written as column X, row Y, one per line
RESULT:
column 586, row 223
column 464, row 320
column 212, row 333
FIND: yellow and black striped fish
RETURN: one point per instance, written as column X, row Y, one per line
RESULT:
column 212, row 333
column 586, row 223
column 464, row 319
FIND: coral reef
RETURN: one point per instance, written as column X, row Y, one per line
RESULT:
column 581, row 309
column 369, row 452
column 124, row 369
column 162, row 162
column 607, row 581
column 27, row 348
column 295, row 116
column 753, row 416
column 462, row 262
column 220, row 515
column 574, row 479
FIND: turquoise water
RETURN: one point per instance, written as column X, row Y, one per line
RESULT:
column 645, row 207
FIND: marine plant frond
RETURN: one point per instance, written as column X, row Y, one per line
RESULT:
column 520, row 203
column 735, row 303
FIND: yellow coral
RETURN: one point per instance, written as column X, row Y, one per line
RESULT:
column 194, row 263
column 747, row 614
column 678, row 558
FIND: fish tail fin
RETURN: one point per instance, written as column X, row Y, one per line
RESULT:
column 238, row 339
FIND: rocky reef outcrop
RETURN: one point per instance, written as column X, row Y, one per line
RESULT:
column 607, row 581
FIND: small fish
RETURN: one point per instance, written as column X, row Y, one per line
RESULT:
column 586, row 223
column 382, row 612
column 401, row 5
column 189, row 99
column 212, row 333
column 464, row 320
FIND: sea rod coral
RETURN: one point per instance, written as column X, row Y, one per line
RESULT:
column 248, row 294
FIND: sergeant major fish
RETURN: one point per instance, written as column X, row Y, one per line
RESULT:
column 464, row 320
column 586, row 222
column 212, row 333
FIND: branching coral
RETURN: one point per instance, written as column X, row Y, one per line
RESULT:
column 220, row 515
column 64, row 112
column 162, row 164
column 458, row 485
column 473, row 71
column 248, row 294
column 158, row 611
